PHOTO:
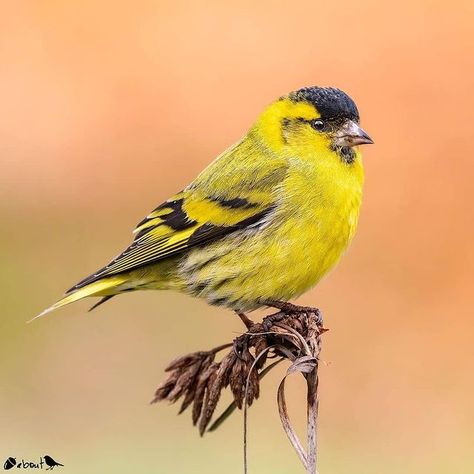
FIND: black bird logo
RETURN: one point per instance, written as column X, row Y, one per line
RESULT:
column 50, row 462
column 9, row 463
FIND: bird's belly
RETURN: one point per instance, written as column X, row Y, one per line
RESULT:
column 280, row 261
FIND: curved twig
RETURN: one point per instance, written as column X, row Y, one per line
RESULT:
column 304, row 365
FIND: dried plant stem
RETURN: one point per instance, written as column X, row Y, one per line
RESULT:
column 293, row 333
column 308, row 366
column 285, row 421
column 313, row 403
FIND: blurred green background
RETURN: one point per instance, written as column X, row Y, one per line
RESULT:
column 107, row 108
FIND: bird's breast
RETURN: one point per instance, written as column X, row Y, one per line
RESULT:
column 315, row 217
column 319, row 218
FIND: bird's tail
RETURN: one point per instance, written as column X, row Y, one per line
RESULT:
column 97, row 288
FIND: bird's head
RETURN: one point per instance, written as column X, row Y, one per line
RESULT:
column 313, row 120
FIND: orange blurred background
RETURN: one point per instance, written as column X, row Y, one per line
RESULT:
column 107, row 108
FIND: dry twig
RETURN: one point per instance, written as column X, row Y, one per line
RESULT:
column 294, row 333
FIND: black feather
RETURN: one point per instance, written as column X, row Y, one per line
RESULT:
column 331, row 103
column 101, row 301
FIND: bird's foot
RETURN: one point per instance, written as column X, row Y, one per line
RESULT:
column 288, row 309
column 245, row 319
column 241, row 343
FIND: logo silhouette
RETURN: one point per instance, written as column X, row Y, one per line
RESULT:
column 50, row 462
column 9, row 463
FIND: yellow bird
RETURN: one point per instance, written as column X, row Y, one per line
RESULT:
column 264, row 222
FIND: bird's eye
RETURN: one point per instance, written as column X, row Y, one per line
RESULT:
column 317, row 124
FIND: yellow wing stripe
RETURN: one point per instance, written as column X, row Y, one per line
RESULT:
column 204, row 210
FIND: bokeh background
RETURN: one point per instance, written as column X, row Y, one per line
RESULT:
column 107, row 108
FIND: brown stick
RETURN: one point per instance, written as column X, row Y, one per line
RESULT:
column 312, row 435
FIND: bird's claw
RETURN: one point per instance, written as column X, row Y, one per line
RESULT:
column 290, row 308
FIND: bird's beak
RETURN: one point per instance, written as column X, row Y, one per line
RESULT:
column 350, row 134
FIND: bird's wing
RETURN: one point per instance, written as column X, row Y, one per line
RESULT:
column 220, row 201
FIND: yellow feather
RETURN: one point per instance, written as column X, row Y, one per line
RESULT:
column 98, row 288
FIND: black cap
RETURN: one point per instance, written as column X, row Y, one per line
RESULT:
column 331, row 103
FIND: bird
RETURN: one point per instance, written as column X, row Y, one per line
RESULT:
column 50, row 462
column 262, row 223
column 9, row 463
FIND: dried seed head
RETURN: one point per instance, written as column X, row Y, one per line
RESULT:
column 193, row 379
column 204, row 379
column 241, row 370
column 186, row 360
column 261, row 344
column 198, row 380
column 216, row 382
column 184, row 373
column 165, row 388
